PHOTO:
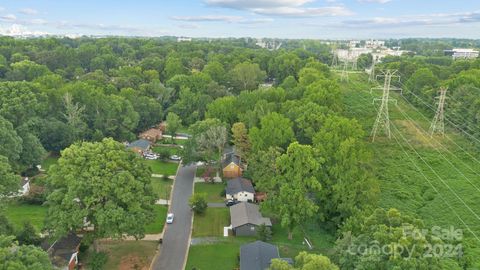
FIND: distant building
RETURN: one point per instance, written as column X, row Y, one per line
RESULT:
column 460, row 53
column 374, row 44
column 184, row 39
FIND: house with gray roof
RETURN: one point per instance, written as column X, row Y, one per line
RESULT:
column 139, row 146
column 240, row 189
column 245, row 218
column 257, row 255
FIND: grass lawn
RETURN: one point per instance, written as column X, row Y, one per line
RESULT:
column 18, row 213
column 159, row 221
column 218, row 256
column 213, row 191
column 211, row 223
column 171, row 150
column 162, row 167
column 128, row 254
column 49, row 161
column 162, row 187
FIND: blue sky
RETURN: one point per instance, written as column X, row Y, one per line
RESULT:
column 335, row 19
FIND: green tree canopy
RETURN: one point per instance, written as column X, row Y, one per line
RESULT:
column 22, row 257
column 101, row 185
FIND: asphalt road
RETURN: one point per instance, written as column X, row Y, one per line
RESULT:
column 177, row 235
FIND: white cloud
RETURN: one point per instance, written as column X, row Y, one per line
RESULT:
column 28, row 11
column 207, row 18
column 38, row 21
column 8, row 18
column 251, row 4
column 374, row 1
column 189, row 26
column 291, row 8
column 20, row 30
column 2, row 9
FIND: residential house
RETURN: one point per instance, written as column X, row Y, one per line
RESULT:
column 64, row 252
column 152, row 135
column 25, row 187
column 240, row 189
column 231, row 166
column 139, row 146
column 257, row 255
column 245, row 218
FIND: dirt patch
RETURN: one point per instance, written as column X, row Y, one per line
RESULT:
column 132, row 262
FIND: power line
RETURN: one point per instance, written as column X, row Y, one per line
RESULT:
column 455, row 167
column 438, row 122
column 383, row 119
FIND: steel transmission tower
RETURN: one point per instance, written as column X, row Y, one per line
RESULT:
column 371, row 76
column 438, row 122
column 383, row 118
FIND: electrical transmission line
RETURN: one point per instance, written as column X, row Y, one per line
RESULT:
column 383, row 119
column 438, row 123
column 371, row 74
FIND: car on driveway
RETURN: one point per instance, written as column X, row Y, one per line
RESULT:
column 170, row 218
column 175, row 157
column 231, row 202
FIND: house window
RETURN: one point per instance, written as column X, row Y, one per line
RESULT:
column 245, row 195
column 252, row 228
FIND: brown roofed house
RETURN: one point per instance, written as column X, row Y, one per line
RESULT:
column 152, row 135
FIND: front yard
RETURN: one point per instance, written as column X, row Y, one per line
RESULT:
column 159, row 221
column 222, row 255
column 211, row 223
column 49, row 161
column 214, row 191
column 162, row 167
column 162, row 187
column 126, row 254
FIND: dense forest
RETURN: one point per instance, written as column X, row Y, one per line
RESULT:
column 283, row 110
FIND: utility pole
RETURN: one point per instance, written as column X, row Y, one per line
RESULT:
column 334, row 60
column 383, row 118
column 371, row 76
column 438, row 122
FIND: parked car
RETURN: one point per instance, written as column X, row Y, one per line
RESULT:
column 231, row 202
column 170, row 218
column 175, row 157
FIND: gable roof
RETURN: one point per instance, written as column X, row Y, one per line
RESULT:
column 239, row 184
column 153, row 132
column 257, row 255
column 231, row 158
column 142, row 144
column 247, row 213
column 61, row 251
column 24, row 181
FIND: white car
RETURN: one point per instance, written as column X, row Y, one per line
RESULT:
column 170, row 218
column 175, row 157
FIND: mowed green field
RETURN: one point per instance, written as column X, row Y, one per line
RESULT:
column 436, row 178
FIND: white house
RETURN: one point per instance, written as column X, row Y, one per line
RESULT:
column 25, row 187
column 460, row 53
column 240, row 189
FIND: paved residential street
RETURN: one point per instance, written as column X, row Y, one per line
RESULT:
column 176, row 237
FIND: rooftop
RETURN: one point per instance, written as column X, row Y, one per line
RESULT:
column 239, row 184
column 257, row 255
column 247, row 213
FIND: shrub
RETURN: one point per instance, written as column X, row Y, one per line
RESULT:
column 198, row 202
column 97, row 260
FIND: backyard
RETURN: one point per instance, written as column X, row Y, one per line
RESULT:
column 49, row 161
column 211, row 223
column 214, row 191
column 18, row 213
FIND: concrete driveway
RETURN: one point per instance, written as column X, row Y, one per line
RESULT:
column 177, row 235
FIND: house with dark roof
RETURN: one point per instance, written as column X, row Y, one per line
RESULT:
column 139, row 146
column 231, row 166
column 245, row 218
column 257, row 255
column 240, row 189
column 64, row 252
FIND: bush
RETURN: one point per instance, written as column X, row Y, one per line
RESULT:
column 97, row 260
column 198, row 203
column 264, row 233
column 27, row 235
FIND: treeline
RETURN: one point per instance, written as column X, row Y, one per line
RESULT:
column 423, row 76
column 54, row 92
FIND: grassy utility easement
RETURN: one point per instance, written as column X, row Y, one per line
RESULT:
column 162, row 187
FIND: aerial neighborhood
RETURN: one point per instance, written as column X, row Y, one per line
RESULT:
column 126, row 143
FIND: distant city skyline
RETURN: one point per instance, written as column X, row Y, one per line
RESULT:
column 312, row 19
